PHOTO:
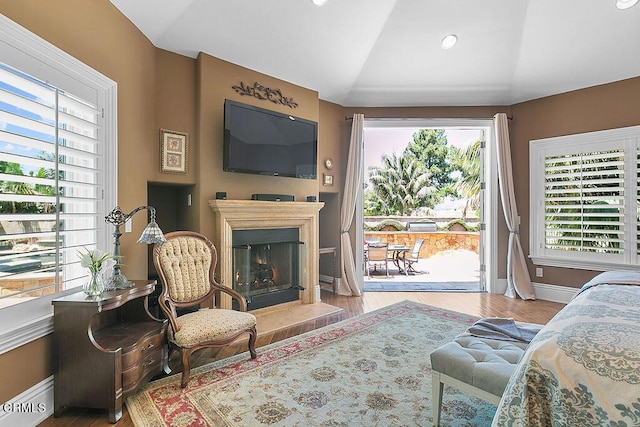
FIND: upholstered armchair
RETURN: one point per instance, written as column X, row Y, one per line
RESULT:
column 186, row 264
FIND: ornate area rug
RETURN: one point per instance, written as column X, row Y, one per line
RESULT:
column 371, row 370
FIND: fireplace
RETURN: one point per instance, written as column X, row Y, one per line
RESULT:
column 266, row 266
column 255, row 215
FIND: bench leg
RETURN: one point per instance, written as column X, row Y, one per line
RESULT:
column 436, row 396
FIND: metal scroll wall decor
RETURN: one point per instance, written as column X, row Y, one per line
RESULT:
column 262, row 92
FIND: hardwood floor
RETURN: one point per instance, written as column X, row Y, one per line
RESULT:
column 477, row 304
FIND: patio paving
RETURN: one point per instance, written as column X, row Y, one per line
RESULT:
column 450, row 270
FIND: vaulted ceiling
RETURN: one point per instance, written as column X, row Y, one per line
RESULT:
column 388, row 52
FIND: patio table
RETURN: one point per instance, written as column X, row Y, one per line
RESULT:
column 397, row 251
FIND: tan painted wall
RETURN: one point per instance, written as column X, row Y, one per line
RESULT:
column 115, row 47
column 159, row 89
column 598, row 108
column 175, row 93
column 25, row 366
column 112, row 45
column 602, row 107
column 333, row 144
column 427, row 112
column 156, row 89
column 215, row 79
column 175, row 109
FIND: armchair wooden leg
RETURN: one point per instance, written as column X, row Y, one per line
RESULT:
column 252, row 342
column 185, row 355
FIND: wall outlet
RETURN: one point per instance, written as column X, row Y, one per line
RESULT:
column 127, row 226
column 538, row 271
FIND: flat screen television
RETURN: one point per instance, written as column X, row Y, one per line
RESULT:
column 265, row 142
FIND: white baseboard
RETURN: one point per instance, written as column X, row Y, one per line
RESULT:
column 554, row 293
column 543, row 291
column 325, row 282
column 29, row 408
column 499, row 287
column 326, row 279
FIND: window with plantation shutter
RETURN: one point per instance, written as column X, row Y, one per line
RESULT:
column 58, row 176
column 50, row 161
column 584, row 200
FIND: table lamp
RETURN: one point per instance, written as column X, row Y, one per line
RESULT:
column 150, row 235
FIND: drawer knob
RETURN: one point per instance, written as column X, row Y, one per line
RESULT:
column 150, row 345
column 149, row 362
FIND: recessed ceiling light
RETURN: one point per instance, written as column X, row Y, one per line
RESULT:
column 319, row 2
column 450, row 40
column 625, row 4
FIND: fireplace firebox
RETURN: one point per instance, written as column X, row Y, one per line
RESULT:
column 266, row 265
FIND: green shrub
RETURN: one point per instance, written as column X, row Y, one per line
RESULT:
column 468, row 227
column 399, row 226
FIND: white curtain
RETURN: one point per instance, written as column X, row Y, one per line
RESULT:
column 351, row 283
column 518, row 279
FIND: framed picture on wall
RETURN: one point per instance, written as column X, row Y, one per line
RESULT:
column 174, row 149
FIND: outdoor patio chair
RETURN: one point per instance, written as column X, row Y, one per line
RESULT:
column 378, row 254
column 369, row 241
column 409, row 258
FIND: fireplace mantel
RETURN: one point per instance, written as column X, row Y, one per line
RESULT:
column 233, row 215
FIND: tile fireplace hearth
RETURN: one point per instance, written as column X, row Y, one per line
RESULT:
column 237, row 215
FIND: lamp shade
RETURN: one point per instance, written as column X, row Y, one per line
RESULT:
column 152, row 234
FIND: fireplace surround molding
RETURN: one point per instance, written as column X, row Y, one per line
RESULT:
column 233, row 215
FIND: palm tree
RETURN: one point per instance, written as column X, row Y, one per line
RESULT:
column 467, row 161
column 12, row 187
column 401, row 184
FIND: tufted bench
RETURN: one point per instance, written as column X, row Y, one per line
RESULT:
column 479, row 366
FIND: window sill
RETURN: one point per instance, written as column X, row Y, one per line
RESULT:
column 581, row 265
column 22, row 323
column 25, row 333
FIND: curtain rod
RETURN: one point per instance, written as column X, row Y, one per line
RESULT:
column 488, row 118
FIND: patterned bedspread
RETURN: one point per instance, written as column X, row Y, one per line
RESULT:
column 583, row 367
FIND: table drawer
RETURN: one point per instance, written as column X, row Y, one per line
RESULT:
column 141, row 350
column 149, row 366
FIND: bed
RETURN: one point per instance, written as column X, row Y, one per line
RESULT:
column 583, row 367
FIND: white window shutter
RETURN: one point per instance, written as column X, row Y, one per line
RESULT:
column 51, row 182
column 584, row 198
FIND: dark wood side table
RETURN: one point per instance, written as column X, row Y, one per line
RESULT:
column 107, row 347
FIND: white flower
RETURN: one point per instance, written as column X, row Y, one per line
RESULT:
column 108, row 263
column 96, row 260
column 85, row 260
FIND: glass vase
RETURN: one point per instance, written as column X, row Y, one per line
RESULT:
column 94, row 286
